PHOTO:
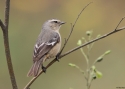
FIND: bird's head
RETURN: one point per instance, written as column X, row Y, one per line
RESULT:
column 54, row 24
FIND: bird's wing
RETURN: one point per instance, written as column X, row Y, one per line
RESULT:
column 43, row 48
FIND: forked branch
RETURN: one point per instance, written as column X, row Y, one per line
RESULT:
column 4, row 28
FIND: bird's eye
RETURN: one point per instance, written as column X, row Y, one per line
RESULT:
column 56, row 21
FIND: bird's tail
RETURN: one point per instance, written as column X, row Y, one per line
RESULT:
column 34, row 69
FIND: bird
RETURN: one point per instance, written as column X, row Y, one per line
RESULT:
column 47, row 46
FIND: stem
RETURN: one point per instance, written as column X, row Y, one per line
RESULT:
column 6, row 44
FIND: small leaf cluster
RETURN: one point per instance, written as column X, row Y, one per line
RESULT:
column 92, row 72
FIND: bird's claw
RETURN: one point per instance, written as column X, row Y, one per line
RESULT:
column 57, row 57
column 44, row 69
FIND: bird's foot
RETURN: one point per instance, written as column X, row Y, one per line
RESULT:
column 57, row 57
column 44, row 69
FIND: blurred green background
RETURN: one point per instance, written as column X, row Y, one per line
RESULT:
column 26, row 19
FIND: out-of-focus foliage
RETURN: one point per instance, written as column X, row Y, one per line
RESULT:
column 26, row 19
column 91, row 72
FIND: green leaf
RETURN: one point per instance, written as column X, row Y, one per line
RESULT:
column 94, row 77
column 98, row 74
column 100, row 59
column 79, row 42
column 72, row 65
column 88, row 33
column 93, row 67
column 107, row 52
column 75, row 66
column 95, row 73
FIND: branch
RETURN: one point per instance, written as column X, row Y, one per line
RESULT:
column 72, row 27
column 6, row 44
column 2, row 26
column 119, row 23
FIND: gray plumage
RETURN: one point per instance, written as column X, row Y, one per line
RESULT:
column 47, row 46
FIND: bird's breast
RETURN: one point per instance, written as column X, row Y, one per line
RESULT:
column 55, row 50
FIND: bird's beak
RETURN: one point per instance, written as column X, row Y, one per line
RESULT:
column 62, row 23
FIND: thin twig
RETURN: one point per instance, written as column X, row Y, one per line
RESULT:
column 72, row 26
column 87, row 62
column 89, row 46
column 6, row 44
column 7, row 9
column 72, row 50
column 66, row 40
column 119, row 23
column 2, row 26
column 90, row 83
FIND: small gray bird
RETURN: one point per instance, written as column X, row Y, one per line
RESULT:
column 47, row 46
